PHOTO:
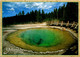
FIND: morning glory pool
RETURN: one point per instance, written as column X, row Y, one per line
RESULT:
column 41, row 39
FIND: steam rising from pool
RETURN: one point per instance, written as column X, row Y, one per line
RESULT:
column 41, row 37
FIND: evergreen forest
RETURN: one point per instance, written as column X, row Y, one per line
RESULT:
column 63, row 13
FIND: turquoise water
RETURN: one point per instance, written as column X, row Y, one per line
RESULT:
column 41, row 37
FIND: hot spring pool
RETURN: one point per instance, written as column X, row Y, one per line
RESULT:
column 41, row 39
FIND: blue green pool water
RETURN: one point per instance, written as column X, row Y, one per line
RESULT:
column 41, row 37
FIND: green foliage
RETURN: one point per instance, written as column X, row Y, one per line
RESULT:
column 23, row 13
column 71, row 12
column 64, row 13
column 19, row 14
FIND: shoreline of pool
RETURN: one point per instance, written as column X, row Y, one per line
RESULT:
column 15, row 28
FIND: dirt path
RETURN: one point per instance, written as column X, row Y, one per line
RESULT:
column 24, row 26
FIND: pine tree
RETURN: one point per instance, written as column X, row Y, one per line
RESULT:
column 19, row 14
column 23, row 13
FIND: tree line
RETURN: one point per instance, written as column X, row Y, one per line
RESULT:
column 64, row 13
